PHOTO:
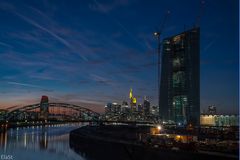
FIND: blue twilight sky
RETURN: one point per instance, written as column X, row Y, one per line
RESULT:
column 91, row 52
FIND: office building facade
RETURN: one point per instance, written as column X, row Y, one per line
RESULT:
column 180, row 84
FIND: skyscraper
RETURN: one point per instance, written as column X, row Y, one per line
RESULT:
column 180, row 86
column 146, row 106
column 133, row 101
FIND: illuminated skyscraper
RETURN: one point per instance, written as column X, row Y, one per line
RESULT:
column 133, row 101
column 179, row 89
column 130, row 94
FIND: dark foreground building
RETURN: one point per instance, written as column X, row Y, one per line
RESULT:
column 179, row 89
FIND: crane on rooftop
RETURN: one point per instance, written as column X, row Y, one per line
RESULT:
column 157, row 34
column 198, row 18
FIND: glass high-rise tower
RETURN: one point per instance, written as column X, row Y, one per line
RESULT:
column 180, row 73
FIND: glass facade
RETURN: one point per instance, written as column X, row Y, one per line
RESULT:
column 178, row 80
column 179, row 86
column 179, row 107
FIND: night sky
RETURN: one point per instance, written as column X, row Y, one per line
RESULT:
column 90, row 52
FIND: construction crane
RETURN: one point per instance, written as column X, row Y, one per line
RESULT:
column 198, row 18
column 157, row 34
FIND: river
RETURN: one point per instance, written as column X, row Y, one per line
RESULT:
column 38, row 143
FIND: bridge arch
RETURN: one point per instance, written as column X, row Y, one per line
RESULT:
column 31, row 112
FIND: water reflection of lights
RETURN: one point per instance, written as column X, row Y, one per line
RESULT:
column 51, row 139
column 3, row 140
column 25, row 140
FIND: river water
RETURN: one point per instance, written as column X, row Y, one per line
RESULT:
column 38, row 143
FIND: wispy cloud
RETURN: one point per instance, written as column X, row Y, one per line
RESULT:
column 101, row 79
column 5, row 44
column 28, row 85
column 8, row 7
column 30, row 21
column 209, row 45
column 107, row 7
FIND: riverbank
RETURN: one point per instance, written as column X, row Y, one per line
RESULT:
column 134, row 142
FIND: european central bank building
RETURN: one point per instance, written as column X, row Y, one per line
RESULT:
column 179, row 83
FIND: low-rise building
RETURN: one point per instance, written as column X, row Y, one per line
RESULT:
column 219, row 120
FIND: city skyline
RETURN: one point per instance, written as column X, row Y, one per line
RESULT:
column 93, row 52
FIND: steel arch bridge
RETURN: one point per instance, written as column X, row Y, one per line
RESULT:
column 57, row 111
